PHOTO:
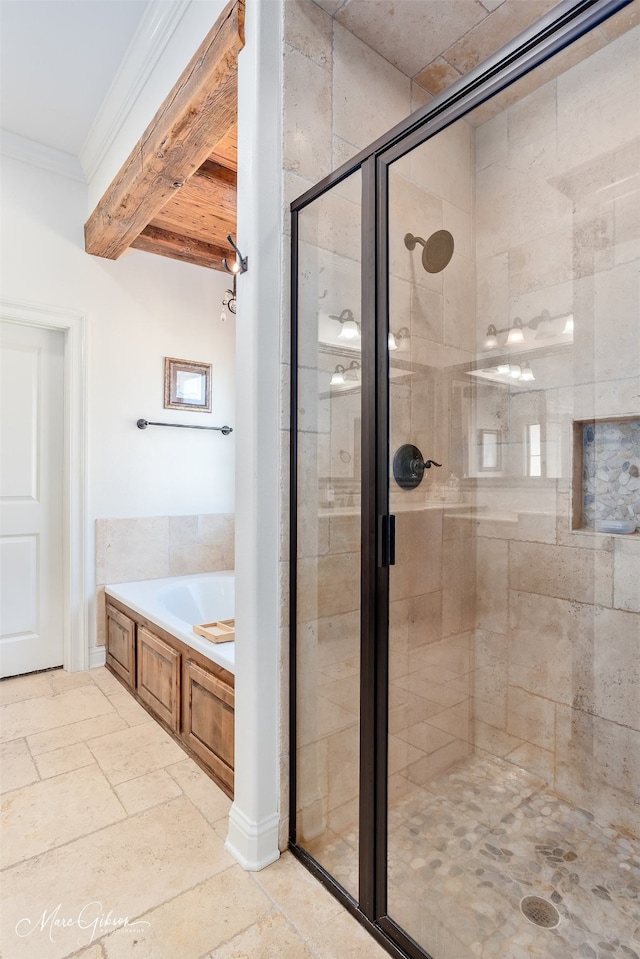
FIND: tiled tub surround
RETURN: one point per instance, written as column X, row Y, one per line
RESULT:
column 158, row 546
column 610, row 472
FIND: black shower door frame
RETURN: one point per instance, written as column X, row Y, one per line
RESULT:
column 563, row 25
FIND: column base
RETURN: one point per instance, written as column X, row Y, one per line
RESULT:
column 253, row 844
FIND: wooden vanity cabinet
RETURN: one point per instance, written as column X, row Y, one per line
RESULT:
column 121, row 641
column 207, row 719
column 158, row 677
column 189, row 694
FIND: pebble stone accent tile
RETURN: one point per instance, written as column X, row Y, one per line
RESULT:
column 467, row 848
column 485, row 835
column 611, row 472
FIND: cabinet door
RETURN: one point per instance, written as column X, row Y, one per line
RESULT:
column 207, row 722
column 158, row 677
column 121, row 632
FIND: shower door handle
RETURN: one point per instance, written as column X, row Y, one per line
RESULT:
column 386, row 540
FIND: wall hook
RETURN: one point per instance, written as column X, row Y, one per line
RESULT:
column 240, row 265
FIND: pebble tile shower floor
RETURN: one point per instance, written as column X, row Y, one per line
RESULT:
column 464, row 852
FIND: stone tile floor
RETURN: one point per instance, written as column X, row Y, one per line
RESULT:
column 105, row 817
column 102, row 812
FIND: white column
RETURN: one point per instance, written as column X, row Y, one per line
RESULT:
column 254, row 817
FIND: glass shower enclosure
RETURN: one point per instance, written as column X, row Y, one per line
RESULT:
column 465, row 598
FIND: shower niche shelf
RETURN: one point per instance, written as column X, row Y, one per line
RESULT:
column 606, row 475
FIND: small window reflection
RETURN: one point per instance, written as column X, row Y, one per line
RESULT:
column 534, row 450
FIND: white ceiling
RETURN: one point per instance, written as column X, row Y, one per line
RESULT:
column 58, row 59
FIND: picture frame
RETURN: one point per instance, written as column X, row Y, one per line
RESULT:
column 187, row 385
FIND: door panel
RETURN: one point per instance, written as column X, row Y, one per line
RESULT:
column 158, row 676
column 31, row 483
column 432, row 584
column 329, row 532
column 19, row 564
column 208, row 719
column 121, row 644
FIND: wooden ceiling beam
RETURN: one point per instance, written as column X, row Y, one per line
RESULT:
column 207, row 227
column 205, row 207
column 217, row 173
column 198, row 114
column 226, row 152
column 179, row 247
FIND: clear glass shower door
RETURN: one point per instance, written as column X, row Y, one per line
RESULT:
column 327, row 529
column 466, row 516
column 513, row 475
column 432, row 584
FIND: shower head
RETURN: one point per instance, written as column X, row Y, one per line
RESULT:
column 437, row 250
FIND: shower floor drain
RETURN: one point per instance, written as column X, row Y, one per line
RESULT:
column 540, row 911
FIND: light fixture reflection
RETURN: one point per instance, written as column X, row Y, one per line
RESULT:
column 350, row 330
column 516, row 334
column 527, row 373
column 395, row 339
column 491, row 338
column 568, row 325
column 337, row 377
column 341, row 374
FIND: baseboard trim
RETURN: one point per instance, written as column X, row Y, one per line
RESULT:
column 253, row 844
column 97, row 656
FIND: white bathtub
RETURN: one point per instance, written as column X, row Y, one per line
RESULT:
column 178, row 603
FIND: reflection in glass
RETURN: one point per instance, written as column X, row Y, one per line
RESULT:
column 514, row 754
column 328, row 528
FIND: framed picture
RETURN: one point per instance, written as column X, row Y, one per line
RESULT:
column 187, row 385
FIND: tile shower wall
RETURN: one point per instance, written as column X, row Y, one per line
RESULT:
column 156, row 546
column 339, row 96
column 557, row 675
column 432, row 585
column 553, row 678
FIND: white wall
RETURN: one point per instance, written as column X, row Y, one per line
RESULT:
column 138, row 309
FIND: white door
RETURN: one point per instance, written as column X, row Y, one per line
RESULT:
column 31, row 498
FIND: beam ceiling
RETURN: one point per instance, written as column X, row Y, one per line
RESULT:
column 176, row 193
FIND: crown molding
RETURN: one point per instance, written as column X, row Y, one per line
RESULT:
column 157, row 25
column 37, row 154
